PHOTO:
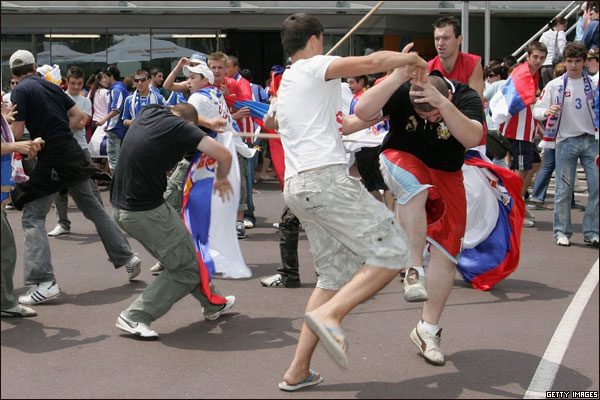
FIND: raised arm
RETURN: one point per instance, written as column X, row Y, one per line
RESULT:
column 372, row 101
column 170, row 83
column 380, row 61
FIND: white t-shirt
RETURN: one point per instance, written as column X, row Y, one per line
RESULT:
column 549, row 38
column 309, row 113
column 576, row 117
column 100, row 104
column 86, row 106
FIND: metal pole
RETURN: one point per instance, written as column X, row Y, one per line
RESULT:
column 465, row 27
column 544, row 29
column 487, row 28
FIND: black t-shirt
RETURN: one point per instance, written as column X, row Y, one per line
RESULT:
column 43, row 106
column 431, row 143
column 156, row 140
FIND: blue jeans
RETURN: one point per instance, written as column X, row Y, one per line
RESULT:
column 37, row 263
column 568, row 151
column 113, row 148
column 543, row 179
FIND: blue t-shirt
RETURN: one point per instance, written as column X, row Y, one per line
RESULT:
column 43, row 106
column 176, row 98
column 117, row 95
column 135, row 102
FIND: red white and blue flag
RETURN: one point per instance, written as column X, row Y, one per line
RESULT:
column 496, row 254
column 517, row 93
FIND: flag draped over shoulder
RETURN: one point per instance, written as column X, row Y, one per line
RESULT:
column 211, row 221
column 517, row 93
column 495, row 253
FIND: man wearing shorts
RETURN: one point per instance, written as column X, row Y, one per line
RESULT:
column 357, row 245
column 521, row 128
column 431, row 125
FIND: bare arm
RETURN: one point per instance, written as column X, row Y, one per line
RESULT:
column 476, row 80
column 76, row 116
column 467, row 131
column 83, row 122
column 270, row 118
column 380, row 61
column 109, row 116
column 170, row 83
column 372, row 101
column 28, row 147
column 215, row 124
column 17, row 128
column 351, row 123
column 220, row 153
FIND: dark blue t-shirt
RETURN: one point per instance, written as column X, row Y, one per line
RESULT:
column 43, row 106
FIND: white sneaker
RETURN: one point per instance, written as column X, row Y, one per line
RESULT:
column 562, row 240
column 428, row 344
column 133, row 267
column 40, row 293
column 157, row 268
column 529, row 214
column 592, row 240
column 414, row 286
column 276, row 225
column 211, row 316
column 19, row 311
column 528, row 223
column 59, row 230
column 248, row 224
column 137, row 328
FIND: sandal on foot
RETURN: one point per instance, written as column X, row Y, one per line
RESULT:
column 310, row 381
column 337, row 349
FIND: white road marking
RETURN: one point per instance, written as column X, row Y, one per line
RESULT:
column 550, row 363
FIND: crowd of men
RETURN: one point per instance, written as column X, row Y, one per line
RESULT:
column 407, row 216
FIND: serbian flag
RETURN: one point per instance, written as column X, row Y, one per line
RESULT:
column 257, row 113
column 495, row 254
column 211, row 221
column 517, row 93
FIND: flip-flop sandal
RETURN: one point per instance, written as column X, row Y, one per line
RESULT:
column 310, row 381
column 331, row 343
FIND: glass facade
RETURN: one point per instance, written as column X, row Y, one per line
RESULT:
column 131, row 50
column 92, row 51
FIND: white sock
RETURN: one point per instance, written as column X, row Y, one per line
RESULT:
column 420, row 270
column 433, row 329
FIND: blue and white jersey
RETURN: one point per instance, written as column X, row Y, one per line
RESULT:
column 117, row 95
column 135, row 102
column 176, row 98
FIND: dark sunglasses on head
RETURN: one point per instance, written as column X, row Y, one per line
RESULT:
column 138, row 80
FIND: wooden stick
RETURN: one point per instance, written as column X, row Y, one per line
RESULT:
column 277, row 136
column 358, row 24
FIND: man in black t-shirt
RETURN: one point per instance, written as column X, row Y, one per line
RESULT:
column 49, row 113
column 155, row 142
column 431, row 124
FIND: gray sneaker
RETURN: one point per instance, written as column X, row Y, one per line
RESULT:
column 136, row 328
column 428, row 344
column 157, row 268
column 414, row 286
column 212, row 315
column 133, row 267
column 19, row 311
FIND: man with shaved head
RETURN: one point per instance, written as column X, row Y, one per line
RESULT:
column 432, row 122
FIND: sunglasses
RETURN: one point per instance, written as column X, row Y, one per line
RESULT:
column 139, row 80
column 13, row 82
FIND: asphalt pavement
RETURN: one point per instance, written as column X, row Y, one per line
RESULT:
column 494, row 341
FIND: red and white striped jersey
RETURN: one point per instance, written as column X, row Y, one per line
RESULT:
column 521, row 126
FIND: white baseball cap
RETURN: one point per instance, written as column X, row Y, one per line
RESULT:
column 202, row 69
column 21, row 58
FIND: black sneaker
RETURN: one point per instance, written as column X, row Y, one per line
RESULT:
column 277, row 281
column 241, row 230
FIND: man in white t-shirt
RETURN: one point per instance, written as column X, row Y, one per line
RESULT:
column 570, row 99
column 357, row 246
column 75, row 82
